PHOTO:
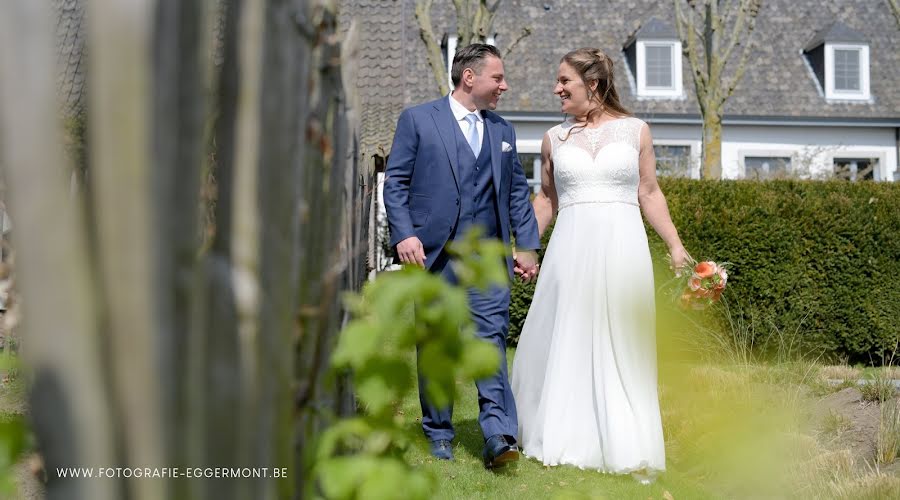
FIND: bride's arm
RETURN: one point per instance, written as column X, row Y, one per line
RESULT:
column 653, row 202
column 545, row 203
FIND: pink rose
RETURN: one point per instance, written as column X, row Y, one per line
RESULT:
column 705, row 269
column 695, row 283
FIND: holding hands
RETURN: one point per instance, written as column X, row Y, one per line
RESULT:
column 411, row 251
column 526, row 265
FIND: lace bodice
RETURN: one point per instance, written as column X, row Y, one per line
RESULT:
column 598, row 165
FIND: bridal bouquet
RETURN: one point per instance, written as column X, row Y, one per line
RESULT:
column 703, row 286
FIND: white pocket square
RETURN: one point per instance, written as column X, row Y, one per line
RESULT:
column 505, row 147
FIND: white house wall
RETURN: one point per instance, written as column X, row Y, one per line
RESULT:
column 813, row 147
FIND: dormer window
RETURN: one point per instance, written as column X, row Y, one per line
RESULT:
column 839, row 57
column 653, row 54
column 849, row 75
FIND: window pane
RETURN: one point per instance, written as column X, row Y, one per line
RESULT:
column 673, row 161
column 659, row 66
column 766, row 167
column 855, row 169
column 846, row 69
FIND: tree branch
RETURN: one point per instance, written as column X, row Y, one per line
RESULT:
column 432, row 47
column 710, row 42
column 699, row 34
column 728, row 8
column 481, row 21
column 474, row 24
column 524, row 33
column 895, row 9
column 681, row 23
column 463, row 22
column 685, row 26
column 742, row 64
column 736, row 31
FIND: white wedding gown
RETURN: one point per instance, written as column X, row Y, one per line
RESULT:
column 584, row 374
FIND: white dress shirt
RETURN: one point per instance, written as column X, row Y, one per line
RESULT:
column 460, row 112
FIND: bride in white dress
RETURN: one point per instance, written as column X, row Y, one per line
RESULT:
column 584, row 374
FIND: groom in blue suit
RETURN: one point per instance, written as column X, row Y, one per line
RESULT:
column 453, row 165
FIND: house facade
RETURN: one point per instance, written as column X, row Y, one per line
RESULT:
column 820, row 97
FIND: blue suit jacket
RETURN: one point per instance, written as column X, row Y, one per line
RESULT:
column 421, row 189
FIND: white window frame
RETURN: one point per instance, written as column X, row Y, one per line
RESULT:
column 676, row 89
column 451, row 51
column 767, row 153
column 533, row 147
column 881, row 170
column 863, row 93
column 695, row 148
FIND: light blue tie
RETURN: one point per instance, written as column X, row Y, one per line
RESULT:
column 473, row 137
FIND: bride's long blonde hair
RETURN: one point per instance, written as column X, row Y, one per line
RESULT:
column 593, row 65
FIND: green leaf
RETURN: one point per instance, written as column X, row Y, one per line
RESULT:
column 434, row 361
column 382, row 382
column 480, row 359
column 393, row 479
column 438, row 369
column 341, row 432
column 455, row 308
column 356, row 343
column 340, row 477
column 379, row 442
column 481, row 262
column 393, row 291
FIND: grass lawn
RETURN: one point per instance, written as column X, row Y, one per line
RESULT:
column 466, row 478
column 731, row 430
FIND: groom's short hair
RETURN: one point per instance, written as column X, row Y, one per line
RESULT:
column 471, row 56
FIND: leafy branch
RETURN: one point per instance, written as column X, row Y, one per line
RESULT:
column 361, row 457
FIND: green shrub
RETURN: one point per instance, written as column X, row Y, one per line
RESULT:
column 821, row 259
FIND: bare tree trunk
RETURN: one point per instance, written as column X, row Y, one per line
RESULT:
column 712, row 150
column 710, row 31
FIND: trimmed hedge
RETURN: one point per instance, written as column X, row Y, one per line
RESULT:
column 819, row 258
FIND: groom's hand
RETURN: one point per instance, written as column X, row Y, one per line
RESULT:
column 526, row 266
column 411, row 251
